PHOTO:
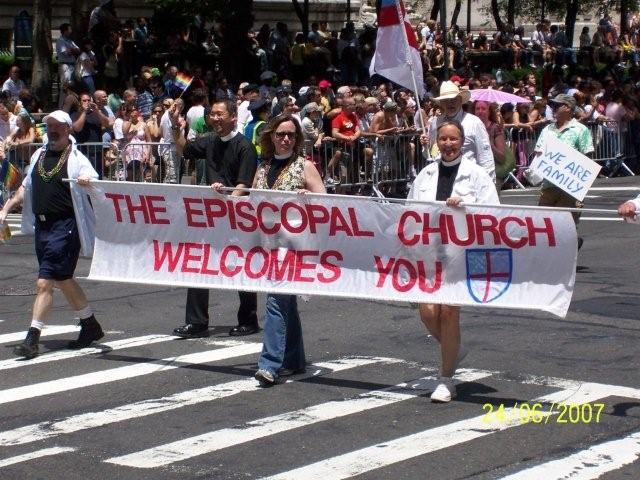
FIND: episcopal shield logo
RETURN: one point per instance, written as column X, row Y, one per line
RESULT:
column 488, row 272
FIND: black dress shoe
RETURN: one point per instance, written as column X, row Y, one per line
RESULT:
column 242, row 330
column 192, row 330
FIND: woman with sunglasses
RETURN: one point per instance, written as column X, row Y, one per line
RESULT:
column 283, row 169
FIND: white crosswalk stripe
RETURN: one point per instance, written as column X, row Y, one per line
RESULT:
column 45, row 452
column 210, row 442
column 43, row 430
column 587, row 464
column 123, row 373
column 431, row 440
column 47, row 331
column 174, row 445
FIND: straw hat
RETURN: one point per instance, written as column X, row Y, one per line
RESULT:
column 449, row 90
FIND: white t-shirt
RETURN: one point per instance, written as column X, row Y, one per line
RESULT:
column 63, row 50
column 8, row 127
column 87, row 67
column 117, row 129
column 244, row 116
column 13, row 87
column 194, row 112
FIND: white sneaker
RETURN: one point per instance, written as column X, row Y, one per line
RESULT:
column 265, row 377
column 445, row 391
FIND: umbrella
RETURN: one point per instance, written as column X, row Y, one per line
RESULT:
column 267, row 75
column 497, row 96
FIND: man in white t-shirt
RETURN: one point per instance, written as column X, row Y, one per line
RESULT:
column 7, row 122
column 13, row 84
column 250, row 92
column 67, row 52
column 167, row 149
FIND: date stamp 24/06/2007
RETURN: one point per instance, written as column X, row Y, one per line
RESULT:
column 543, row 413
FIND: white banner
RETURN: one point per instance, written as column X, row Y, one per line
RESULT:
column 565, row 167
column 159, row 234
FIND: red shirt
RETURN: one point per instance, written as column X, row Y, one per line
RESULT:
column 346, row 124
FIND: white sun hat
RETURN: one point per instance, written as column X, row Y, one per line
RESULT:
column 449, row 90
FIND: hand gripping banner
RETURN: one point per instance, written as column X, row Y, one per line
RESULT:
column 506, row 257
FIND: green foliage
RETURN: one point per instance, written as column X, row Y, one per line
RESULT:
column 6, row 59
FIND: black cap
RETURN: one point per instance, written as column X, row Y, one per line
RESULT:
column 252, row 87
column 257, row 105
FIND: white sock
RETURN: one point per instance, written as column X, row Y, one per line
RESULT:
column 86, row 312
column 37, row 324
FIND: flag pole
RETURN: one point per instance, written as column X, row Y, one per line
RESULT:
column 410, row 63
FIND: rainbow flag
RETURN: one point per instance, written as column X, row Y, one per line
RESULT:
column 182, row 81
column 41, row 129
column 9, row 175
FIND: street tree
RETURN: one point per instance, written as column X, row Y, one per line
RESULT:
column 42, row 50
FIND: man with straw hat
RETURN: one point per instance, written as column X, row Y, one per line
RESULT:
column 477, row 146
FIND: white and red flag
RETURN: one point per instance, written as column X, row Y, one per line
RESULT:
column 397, row 57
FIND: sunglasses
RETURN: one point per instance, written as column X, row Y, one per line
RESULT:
column 166, row 105
column 281, row 135
column 157, row 111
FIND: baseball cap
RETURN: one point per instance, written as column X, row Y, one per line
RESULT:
column 324, row 84
column 59, row 116
column 564, row 99
column 303, row 90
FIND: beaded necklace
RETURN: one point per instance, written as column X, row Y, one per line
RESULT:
column 48, row 176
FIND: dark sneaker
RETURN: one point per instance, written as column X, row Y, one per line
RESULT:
column 29, row 348
column 90, row 331
column 191, row 330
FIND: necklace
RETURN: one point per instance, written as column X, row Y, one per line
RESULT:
column 48, row 176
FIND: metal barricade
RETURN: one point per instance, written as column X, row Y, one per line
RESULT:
column 148, row 162
column 346, row 167
column 610, row 148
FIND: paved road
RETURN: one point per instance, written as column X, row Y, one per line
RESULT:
column 145, row 405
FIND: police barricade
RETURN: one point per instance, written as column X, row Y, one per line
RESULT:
column 20, row 155
column 149, row 162
column 370, row 165
column 610, row 148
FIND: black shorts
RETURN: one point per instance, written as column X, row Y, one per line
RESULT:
column 57, row 247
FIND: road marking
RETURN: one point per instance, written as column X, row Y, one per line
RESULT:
column 47, row 331
column 404, row 448
column 227, row 437
column 103, row 348
column 45, row 452
column 587, row 464
column 49, row 429
column 123, row 373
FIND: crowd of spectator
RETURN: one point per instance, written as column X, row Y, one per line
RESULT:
column 120, row 105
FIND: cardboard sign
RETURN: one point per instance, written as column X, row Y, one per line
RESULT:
column 565, row 167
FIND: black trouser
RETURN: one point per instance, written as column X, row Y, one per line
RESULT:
column 197, row 308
